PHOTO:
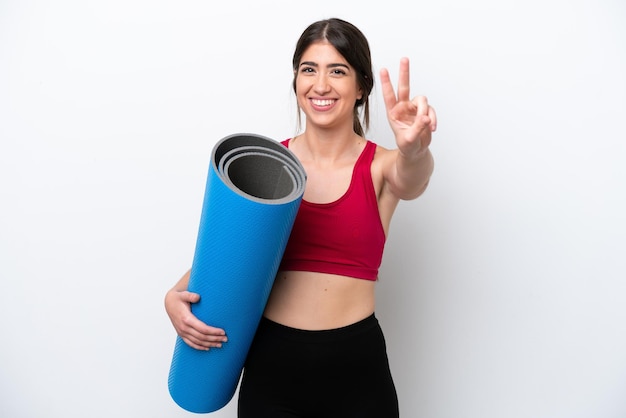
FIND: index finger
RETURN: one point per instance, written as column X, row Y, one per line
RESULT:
column 208, row 330
column 389, row 95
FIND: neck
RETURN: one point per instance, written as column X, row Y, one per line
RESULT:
column 316, row 144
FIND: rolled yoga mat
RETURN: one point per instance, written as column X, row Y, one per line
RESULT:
column 253, row 191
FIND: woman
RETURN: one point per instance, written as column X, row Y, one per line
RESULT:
column 319, row 350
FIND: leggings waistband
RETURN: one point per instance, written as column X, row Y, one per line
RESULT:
column 317, row 336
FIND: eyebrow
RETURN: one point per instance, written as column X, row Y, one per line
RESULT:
column 335, row 65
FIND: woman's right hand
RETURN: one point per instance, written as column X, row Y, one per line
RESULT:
column 194, row 332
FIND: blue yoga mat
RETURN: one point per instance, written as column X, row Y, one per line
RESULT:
column 253, row 190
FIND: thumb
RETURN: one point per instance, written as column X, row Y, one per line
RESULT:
column 190, row 297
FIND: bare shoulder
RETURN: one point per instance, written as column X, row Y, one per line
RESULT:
column 384, row 159
column 404, row 177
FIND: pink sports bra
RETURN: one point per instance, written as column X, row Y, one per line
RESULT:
column 344, row 237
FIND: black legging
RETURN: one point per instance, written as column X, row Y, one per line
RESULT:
column 318, row 374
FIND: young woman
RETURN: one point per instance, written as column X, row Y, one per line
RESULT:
column 319, row 350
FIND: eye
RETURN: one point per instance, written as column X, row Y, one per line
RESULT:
column 338, row 71
column 307, row 69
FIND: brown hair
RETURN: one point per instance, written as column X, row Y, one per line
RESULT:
column 350, row 42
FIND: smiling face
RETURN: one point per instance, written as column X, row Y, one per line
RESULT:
column 326, row 87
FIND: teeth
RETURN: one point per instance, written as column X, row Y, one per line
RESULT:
column 323, row 102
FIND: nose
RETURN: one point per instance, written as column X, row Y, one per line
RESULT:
column 321, row 84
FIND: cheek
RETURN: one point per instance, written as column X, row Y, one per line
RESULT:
column 301, row 103
column 300, row 91
column 300, row 86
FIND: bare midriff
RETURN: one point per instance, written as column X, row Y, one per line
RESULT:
column 318, row 301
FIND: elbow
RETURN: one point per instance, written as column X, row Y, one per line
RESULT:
column 415, row 193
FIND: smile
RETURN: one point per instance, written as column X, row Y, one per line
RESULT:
column 326, row 102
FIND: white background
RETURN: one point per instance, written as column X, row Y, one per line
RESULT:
column 502, row 291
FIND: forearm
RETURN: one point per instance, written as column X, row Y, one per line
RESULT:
column 182, row 284
column 412, row 174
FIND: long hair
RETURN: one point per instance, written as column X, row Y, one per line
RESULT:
column 350, row 42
